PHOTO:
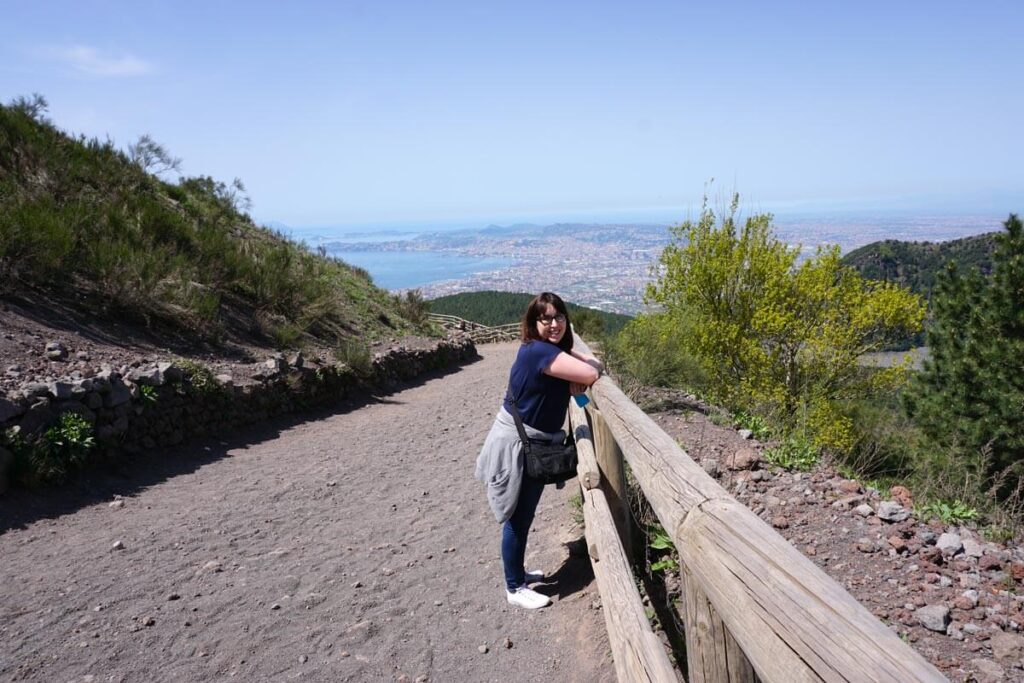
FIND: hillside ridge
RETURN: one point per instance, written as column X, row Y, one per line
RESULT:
column 915, row 265
column 86, row 226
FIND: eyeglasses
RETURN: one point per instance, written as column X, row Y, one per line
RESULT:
column 546, row 320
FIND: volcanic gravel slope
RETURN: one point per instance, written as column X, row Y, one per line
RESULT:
column 349, row 546
column 894, row 569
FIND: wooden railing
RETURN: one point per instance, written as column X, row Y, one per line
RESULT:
column 478, row 332
column 754, row 608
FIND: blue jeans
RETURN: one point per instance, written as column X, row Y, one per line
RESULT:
column 515, row 531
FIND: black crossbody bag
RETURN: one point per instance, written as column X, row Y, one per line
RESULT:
column 551, row 463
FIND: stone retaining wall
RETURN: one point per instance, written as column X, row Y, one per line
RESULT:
column 163, row 404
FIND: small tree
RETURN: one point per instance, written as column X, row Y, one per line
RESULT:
column 33, row 106
column 152, row 157
column 588, row 324
column 775, row 335
column 969, row 397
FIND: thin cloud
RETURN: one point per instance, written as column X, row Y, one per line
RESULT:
column 91, row 62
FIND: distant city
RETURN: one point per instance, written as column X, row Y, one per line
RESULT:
column 608, row 266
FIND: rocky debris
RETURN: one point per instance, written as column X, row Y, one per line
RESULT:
column 33, row 390
column 117, row 545
column 990, row 563
column 56, row 351
column 933, row 617
column 211, row 567
column 973, row 548
column 949, row 544
column 850, row 486
column 901, row 494
column 1008, row 648
column 866, row 545
column 864, row 510
column 892, row 512
column 987, row 671
column 744, row 458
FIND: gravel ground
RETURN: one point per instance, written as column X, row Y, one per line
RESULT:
column 351, row 546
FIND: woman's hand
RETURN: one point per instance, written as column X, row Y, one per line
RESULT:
column 577, row 388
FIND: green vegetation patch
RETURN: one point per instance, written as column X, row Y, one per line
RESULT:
column 54, row 455
column 918, row 265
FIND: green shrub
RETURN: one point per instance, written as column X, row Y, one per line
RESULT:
column 758, row 426
column 658, row 540
column 286, row 335
column 649, row 350
column 886, row 442
column 793, row 454
column 200, row 377
column 948, row 512
column 355, row 353
column 413, row 306
column 775, row 334
column 576, row 503
column 50, row 458
column 148, row 395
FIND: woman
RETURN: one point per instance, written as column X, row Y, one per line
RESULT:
column 545, row 373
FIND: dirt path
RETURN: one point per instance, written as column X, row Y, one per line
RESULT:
column 351, row 547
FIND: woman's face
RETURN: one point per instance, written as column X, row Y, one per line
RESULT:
column 551, row 325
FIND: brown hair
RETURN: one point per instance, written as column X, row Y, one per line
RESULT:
column 536, row 308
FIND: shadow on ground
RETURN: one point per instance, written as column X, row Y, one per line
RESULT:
column 126, row 477
column 575, row 574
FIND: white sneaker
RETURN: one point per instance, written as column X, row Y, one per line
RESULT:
column 527, row 598
column 536, row 576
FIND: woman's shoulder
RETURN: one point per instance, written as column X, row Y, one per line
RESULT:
column 539, row 347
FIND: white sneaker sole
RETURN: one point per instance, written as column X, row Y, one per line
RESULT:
column 528, row 602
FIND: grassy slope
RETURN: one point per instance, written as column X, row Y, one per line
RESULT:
column 79, row 221
column 500, row 308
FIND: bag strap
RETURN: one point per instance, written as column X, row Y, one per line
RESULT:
column 518, row 418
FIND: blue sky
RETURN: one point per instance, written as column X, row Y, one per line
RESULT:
column 378, row 112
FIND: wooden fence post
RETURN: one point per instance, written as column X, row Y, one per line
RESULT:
column 613, row 476
column 712, row 654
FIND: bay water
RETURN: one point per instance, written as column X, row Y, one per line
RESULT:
column 410, row 269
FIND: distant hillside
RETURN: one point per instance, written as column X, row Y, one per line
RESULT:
column 915, row 264
column 501, row 308
column 87, row 225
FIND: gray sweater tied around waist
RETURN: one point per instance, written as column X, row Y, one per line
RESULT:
column 500, row 463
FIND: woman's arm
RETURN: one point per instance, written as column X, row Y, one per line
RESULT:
column 572, row 369
column 591, row 360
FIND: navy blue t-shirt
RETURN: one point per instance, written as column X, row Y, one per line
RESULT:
column 542, row 399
